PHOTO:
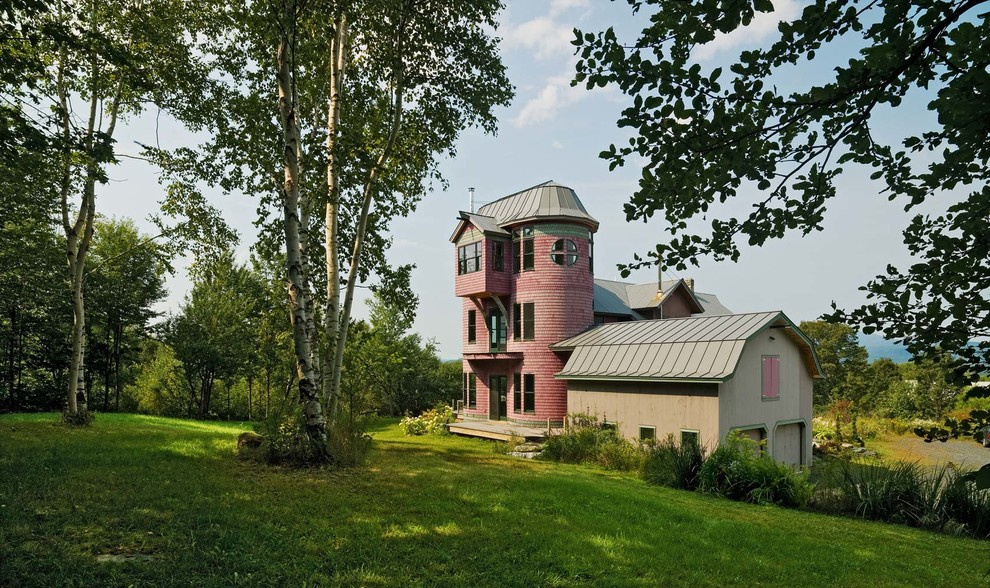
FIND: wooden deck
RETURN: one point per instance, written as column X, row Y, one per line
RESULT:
column 497, row 430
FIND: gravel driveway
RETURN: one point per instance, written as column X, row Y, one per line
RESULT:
column 966, row 452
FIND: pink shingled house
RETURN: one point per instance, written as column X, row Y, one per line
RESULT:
column 543, row 338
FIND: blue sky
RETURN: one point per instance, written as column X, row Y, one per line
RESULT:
column 554, row 131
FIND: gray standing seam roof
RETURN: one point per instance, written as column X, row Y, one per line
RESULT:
column 548, row 199
column 701, row 347
column 621, row 298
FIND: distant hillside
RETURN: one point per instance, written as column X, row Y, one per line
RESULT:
column 879, row 347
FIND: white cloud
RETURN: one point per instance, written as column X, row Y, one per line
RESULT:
column 762, row 25
column 542, row 34
column 556, row 94
column 557, row 144
column 559, row 6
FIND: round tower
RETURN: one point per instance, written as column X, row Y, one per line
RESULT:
column 547, row 239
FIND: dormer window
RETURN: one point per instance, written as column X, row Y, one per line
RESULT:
column 469, row 258
column 564, row 252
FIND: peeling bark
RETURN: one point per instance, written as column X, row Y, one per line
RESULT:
column 308, row 392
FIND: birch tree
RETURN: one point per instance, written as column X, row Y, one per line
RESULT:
column 370, row 96
column 102, row 62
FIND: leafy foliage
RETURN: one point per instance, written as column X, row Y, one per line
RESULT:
column 739, row 470
column 431, row 422
column 713, row 138
column 586, row 440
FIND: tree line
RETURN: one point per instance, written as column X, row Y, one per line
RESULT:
column 332, row 116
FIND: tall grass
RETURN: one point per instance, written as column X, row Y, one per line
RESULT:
column 905, row 493
column 737, row 469
column 587, row 441
column 672, row 464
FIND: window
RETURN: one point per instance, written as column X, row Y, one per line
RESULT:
column 529, row 393
column 522, row 249
column 771, row 377
column 472, row 328
column 497, row 331
column 564, row 252
column 517, row 322
column 498, row 256
column 470, row 386
column 528, row 326
column 469, row 258
column 527, row 257
column 610, row 426
column 591, row 255
column 517, row 392
column 689, row 438
column 647, row 433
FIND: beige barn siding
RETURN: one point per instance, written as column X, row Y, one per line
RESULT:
column 741, row 404
column 668, row 407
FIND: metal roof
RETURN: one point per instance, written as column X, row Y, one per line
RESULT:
column 698, row 348
column 613, row 297
column 548, row 200
column 485, row 224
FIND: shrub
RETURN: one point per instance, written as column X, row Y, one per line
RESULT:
column 588, row 441
column 286, row 441
column 905, row 493
column 668, row 463
column 81, row 418
column 431, row 422
column 738, row 470
column 967, row 505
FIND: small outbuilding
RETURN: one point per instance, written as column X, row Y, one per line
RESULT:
column 698, row 378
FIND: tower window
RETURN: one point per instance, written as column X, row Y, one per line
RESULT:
column 469, row 258
column 522, row 249
column 564, row 252
column 498, row 256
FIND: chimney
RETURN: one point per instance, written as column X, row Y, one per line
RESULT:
column 471, row 199
column 690, row 283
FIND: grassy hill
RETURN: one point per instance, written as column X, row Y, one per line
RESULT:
column 138, row 500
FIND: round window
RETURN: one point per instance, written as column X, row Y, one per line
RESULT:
column 564, row 252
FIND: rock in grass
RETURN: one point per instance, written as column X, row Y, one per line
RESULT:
column 250, row 439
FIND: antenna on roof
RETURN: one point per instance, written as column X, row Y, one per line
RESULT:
column 471, row 199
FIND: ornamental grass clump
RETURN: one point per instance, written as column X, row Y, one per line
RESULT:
column 906, row 493
column 589, row 441
column 739, row 470
column 672, row 464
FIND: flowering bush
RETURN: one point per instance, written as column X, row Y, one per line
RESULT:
column 430, row 422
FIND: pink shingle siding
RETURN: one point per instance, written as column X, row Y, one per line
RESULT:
column 562, row 297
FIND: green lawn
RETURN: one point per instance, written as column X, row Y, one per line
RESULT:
column 425, row 511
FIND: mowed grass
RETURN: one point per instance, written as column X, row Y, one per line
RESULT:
column 425, row 511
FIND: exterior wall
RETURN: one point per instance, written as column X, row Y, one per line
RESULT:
column 675, row 307
column 741, row 404
column 487, row 280
column 483, row 369
column 668, row 407
column 563, row 298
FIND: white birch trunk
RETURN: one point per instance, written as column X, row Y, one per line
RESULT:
column 338, row 66
column 308, row 392
column 362, row 225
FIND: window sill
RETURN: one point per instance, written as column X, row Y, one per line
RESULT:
column 765, row 399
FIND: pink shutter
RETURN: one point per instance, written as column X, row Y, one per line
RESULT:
column 771, row 377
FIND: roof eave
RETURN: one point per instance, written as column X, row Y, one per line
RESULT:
column 642, row 379
column 587, row 221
